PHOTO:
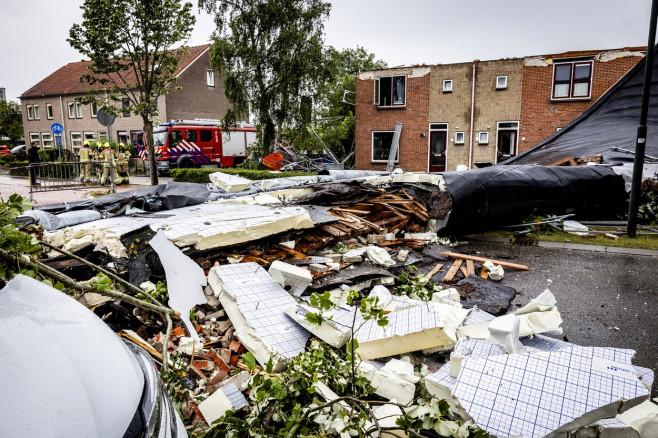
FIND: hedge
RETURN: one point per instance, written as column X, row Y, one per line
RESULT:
column 19, row 168
column 203, row 175
column 18, row 172
column 7, row 158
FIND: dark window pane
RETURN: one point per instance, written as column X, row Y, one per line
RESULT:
column 385, row 91
column 582, row 72
column 191, row 136
column 563, row 72
column 398, row 90
column 381, row 145
column 438, row 145
column 175, row 137
column 206, row 135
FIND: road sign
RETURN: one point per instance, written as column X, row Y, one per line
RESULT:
column 57, row 128
column 104, row 118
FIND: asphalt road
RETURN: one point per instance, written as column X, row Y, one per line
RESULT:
column 606, row 300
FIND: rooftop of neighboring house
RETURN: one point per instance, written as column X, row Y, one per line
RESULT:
column 566, row 55
column 66, row 80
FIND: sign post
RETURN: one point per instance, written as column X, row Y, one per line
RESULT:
column 106, row 119
column 57, row 129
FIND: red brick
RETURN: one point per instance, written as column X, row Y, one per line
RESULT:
column 237, row 347
column 205, row 365
column 234, row 360
column 221, row 364
column 218, row 377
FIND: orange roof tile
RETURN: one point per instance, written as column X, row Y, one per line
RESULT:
column 66, row 80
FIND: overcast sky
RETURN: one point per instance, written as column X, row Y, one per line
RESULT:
column 33, row 32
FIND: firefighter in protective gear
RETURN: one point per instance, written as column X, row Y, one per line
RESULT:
column 122, row 158
column 107, row 155
column 85, row 165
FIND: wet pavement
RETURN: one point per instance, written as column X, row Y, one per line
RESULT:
column 607, row 300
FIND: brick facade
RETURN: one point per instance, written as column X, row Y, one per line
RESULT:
column 525, row 103
column 195, row 99
column 414, row 116
column 540, row 115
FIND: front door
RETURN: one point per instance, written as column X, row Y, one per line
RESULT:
column 438, row 151
column 507, row 140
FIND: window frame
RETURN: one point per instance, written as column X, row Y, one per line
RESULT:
column 30, row 112
column 125, row 102
column 463, row 135
column 87, row 137
column 501, row 87
column 79, row 139
column 49, row 111
column 78, row 110
column 47, row 137
column 372, row 147
column 572, row 80
column 447, row 85
column 93, row 106
column 486, row 137
column 37, row 116
column 378, row 94
column 210, row 77
column 71, row 108
column 35, row 136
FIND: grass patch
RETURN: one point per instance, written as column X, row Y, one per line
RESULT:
column 639, row 242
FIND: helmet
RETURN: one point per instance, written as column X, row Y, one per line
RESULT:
column 107, row 145
column 122, row 145
column 86, row 143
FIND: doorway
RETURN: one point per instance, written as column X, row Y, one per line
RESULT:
column 507, row 140
column 437, row 152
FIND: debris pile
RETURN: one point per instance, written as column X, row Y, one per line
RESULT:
column 258, row 279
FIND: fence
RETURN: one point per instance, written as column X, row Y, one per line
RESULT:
column 69, row 175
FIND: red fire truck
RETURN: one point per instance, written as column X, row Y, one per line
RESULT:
column 197, row 143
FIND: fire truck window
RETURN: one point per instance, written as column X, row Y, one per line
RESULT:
column 175, row 137
column 191, row 135
column 206, row 135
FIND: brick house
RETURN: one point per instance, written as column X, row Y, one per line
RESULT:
column 477, row 112
column 53, row 100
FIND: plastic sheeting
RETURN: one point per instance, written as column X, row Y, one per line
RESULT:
column 610, row 122
column 51, row 222
column 502, row 195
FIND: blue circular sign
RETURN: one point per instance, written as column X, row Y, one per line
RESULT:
column 57, row 128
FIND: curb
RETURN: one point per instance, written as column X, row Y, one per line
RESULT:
column 572, row 246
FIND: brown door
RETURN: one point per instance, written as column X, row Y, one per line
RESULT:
column 438, row 151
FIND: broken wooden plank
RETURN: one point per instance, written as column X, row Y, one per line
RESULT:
column 464, row 271
column 569, row 161
column 350, row 210
column 453, row 271
column 470, row 267
column 333, row 231
column 484, row 259
column 434, row 270
column 296, row 254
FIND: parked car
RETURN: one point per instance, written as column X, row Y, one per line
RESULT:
column 18, row 149
column 4, row 150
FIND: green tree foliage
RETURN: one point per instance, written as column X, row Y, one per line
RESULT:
column 334, row 116
column 130, row 42
column 11, row 122
column 272, row 57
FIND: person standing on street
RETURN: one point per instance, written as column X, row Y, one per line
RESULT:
column 85, row 165
column 124, row 171
column 33, row 158
column 107, row 156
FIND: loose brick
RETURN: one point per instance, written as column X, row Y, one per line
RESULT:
column 221, row 363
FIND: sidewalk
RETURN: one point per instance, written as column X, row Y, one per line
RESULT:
column 21, row 186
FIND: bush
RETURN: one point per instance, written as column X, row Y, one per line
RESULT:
column 202, row 176
column 9, row 158
column 18, row 168
column 60, row 171
column 50, row 155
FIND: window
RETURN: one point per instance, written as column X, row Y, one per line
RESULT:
column 49, row 111
column 501, row 82
column 206, row 135
column 71, row 106
column 210, row 78
column 36, row 112
column 381, row 146
column 391, row 91
column 572, row 80
column 30, row 112
column 125, row 103
column 34, row 136
column 190, row 136
column 483, row 137
column 89, row 136
column 76, row 140
column 102, row 136
column 459, row 137
column 175, row 138
column 447, row 86
column 78, row 110
column 47, row 139
column 122, row 137
column 94, row 109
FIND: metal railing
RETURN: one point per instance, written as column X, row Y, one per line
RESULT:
column 68, row 175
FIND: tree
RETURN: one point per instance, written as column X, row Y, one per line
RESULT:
column 334, row 115
column 271, row 53
column 11, row 122
column 129, row 43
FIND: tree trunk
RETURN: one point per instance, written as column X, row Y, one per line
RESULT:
column 148, row 134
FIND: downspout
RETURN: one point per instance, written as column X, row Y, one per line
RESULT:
column 470, row 143
column 61, row 112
